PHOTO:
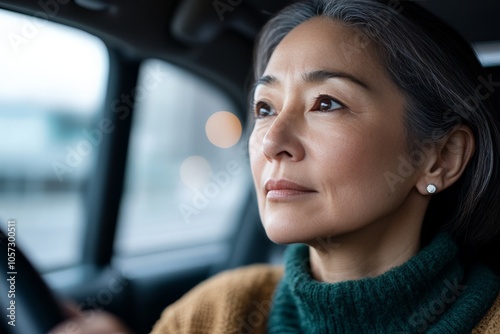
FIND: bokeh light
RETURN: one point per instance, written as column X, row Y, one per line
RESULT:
column 195, row 171
column 223, row 129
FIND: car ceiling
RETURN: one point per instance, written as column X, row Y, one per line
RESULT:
column 217, row 45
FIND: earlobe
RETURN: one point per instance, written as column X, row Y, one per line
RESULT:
column 449, row 161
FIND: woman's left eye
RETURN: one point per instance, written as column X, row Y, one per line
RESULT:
column 325, row 103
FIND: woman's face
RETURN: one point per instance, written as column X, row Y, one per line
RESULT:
column 329, row 129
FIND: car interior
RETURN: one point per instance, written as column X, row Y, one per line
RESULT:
column 124, row 158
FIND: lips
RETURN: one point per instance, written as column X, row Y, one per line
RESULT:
column 285, row 189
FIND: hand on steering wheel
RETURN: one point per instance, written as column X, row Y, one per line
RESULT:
column 36, row 310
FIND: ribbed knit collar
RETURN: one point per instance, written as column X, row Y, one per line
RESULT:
column 429, row 293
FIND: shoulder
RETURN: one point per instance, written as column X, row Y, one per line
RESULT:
column 223, row 303
column 232, row 285
column 490, row 324
column 245, row 278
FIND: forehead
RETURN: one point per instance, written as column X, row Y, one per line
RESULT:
column 325, row 44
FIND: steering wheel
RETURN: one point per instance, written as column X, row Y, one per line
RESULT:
column 36, row 308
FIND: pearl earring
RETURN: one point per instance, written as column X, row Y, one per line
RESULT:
column 431, row 188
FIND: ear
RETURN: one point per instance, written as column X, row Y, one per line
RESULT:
column 448, row 161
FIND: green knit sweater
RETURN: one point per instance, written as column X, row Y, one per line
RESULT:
column 430, row 293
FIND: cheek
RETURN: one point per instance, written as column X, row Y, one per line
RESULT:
column 350, row 170
column 357, row 161
column 257, row 166
column 255, row 154
column 254, row 145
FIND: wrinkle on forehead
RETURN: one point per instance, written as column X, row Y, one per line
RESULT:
column 325, row 44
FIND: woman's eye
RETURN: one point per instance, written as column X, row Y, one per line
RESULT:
column 263, row 109
column 325, row 104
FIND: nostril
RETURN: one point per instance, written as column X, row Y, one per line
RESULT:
column 281, row 145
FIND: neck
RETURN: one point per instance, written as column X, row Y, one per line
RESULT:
column 373, row 250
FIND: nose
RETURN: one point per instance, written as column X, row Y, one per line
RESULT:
column 282, row 140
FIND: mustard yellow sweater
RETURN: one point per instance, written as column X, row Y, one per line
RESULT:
column 432, row 293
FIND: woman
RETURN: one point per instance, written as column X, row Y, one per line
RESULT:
column 375, row 152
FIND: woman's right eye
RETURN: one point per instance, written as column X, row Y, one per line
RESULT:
column 263, row 109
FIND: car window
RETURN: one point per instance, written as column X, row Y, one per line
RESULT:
column 488, row 53
column 186, row 173
column 52, row 87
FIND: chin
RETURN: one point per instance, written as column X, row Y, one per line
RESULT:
column 295, row 231
column 280, row 238
column 280, row 232
column 289, row 232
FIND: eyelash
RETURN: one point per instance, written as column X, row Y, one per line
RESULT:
column 257, row 105
column 325, row 96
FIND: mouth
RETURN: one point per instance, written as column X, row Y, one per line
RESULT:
column 285, row 190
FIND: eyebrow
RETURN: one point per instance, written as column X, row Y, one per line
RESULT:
column 314, row 77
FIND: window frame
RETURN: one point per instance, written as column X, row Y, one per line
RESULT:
column 104, row 192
